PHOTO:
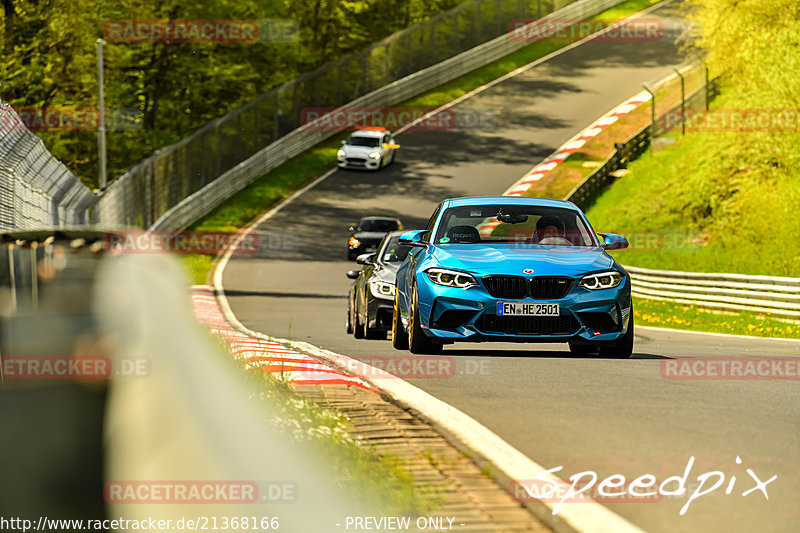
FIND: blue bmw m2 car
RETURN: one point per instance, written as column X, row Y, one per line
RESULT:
column 500, row 268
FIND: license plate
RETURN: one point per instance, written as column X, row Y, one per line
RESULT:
column 527, row 309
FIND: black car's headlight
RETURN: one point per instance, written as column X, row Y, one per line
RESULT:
column 450, row 278
column 381, row 289
column 353, row 242
column 602, row 280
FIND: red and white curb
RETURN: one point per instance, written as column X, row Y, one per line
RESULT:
column 570, row 147
column 575, row 144
column 295, row 367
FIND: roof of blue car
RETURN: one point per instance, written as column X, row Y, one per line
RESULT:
column 509, row 200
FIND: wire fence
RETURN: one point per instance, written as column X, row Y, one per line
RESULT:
column 36, row 189
column 585, row 192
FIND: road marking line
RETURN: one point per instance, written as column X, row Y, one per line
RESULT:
column 590, row 516
column 672, row 330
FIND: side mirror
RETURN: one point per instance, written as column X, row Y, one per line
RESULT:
column 353, row 274
column 365, row 259
column 344, row 142
column 413, row 238
column 390, row 145
column 612, row 241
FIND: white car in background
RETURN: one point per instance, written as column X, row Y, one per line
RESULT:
column 370, row 148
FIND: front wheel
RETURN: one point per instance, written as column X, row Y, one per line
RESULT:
column 418, row 342
column 399, row 336
column 623, row 348
column 349, row 322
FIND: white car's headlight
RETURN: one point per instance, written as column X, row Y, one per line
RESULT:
column 603, row 280
column 450, row 278
column 375, row 155
column 340, row 154
column 381, row 289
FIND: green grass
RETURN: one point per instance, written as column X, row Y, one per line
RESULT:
column 727, row 192
column 691, row 317
column 374, row 480
column 239, row 210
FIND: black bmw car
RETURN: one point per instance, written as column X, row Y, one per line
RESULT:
column 365, row 237
column 369, row 305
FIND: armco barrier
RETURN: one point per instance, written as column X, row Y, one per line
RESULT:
column 207, row 198
column 764, row 294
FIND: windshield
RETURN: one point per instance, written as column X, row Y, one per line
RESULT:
column 529, row 224
column 364, row 141
column 393, row 252
column 377, row 225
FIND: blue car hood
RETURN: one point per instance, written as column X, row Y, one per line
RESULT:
column 505, row 258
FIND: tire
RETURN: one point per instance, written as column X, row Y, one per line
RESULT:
column 349, row 322
column 399, row 336
column 370, row 333
column 418, row 342
column 623, row 348
column 582, row 349
column 358, row 328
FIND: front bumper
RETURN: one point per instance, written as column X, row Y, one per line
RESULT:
column 358, row 162
column 451, row 314
column 379, row 313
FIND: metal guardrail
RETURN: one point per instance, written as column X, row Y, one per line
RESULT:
column 212, row 194
column 36, row 189
column 764, row 294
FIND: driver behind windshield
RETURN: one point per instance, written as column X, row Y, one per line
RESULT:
column 549, row 226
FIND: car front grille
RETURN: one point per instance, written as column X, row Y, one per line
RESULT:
column 356, row 161
column 517, row 287
column 501, row 286
column 549, row 288
column 528, row 325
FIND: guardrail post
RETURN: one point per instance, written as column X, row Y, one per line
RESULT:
column 34, row 279
column 12, row 278
column 652, row 92
column 683, row 101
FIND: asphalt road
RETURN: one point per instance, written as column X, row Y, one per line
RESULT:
column 608, row 416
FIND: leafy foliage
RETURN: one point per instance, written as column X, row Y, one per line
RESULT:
column 49, row 60
column 741, row 189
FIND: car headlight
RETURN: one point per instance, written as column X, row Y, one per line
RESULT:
column 603, row 280
column 450, row 278
column 375, row 155
column 381, row 289
column 354, row 242
column 340, row 154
